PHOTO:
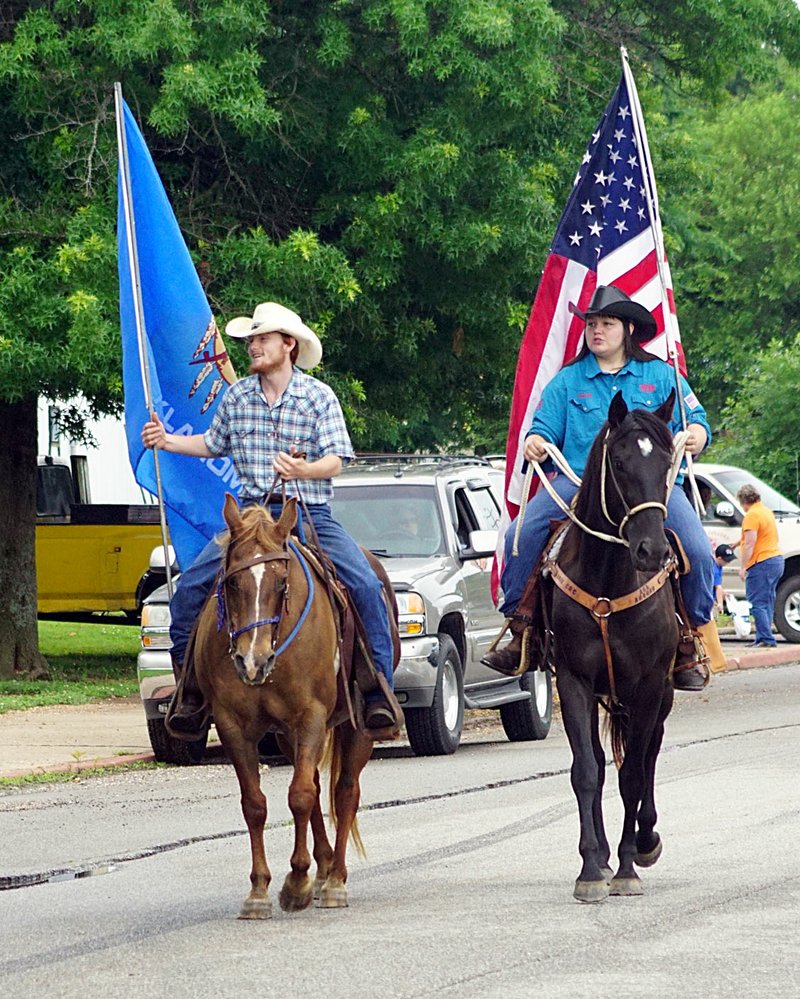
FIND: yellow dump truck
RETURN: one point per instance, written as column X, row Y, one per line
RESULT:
column 90, row 556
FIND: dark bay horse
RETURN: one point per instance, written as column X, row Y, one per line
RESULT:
column 614, row 638
column 267, row 658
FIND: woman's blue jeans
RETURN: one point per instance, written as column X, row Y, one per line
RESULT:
column 697, row 586
column 365, row 589
column 760, row 583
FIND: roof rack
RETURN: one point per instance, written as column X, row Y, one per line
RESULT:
column 364, row 458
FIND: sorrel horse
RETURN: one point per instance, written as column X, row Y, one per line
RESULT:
column 614, row 638
column 267, row 658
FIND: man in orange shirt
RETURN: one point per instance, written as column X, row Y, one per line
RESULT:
column 762, row 562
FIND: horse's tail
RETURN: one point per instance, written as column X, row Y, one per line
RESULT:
column 616, row 724
column 332, row 761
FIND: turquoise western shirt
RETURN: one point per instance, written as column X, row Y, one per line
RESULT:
column 574, row 405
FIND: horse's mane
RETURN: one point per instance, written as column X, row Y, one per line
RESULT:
column 257, row 527
column 637, row 419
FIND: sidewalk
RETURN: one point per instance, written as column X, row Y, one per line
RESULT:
column 79, row 737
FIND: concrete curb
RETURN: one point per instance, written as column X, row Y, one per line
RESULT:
column 779, row 656
column 78, row 766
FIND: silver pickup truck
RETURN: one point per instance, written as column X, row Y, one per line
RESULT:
column 433, row 522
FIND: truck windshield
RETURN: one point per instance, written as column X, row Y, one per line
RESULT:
column 396, row 520
column 733, row 478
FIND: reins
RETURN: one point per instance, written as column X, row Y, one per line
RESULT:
column 563, row 466
column 601, row 608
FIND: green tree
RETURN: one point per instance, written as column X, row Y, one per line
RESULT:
column 392, row 168
column 762, row 421
column 737, row 265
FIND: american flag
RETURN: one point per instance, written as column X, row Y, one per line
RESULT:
column 605, row 236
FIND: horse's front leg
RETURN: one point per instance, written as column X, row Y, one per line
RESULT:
column 648, row 842
column 579, row 714
column 244, row 757
column 323, row 852
column 631, row 786
column 298, row 890
column 603, row 847
column 351, row 752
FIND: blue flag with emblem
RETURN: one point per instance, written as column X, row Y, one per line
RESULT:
column 177, row 342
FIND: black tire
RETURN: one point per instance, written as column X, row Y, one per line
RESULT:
column 525, row 721
column 151, row 580
column 169, row 750
column 436, row 731
column 268, row 746
column 787, row 609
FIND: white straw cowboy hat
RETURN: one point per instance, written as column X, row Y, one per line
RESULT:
column 270, row 317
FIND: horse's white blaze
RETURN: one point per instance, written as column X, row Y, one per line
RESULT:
column 645, row 446
column 249, row 660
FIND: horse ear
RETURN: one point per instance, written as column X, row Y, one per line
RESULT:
column 230, row 512
column 617, row 411
column 288, row 517
column 667, row 407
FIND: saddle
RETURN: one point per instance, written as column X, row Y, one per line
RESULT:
column 358, row 675
column 535, row 605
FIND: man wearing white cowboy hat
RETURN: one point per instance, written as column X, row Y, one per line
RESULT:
column 573, row 408
column 277, row 421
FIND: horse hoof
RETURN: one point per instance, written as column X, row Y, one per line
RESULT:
column 626, row 886
column 607, row 873
column 256, row 908
column 317, row 891
column 292, row 901
column 648, row 859
column 591, row 891
column 332, row 898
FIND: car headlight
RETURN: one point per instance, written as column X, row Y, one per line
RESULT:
column 155, row 626
column 412, row 613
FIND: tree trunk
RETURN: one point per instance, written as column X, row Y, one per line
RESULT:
column 19, row 634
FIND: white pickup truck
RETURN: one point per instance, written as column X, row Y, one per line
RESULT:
column 723, row 524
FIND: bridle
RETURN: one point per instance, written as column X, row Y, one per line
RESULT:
column 630, row 512
column 280, row 587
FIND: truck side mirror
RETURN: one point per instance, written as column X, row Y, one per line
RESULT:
column 725, row 510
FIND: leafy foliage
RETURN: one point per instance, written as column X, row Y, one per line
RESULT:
column 739, row 272
column 762, row 422
column 393, row 169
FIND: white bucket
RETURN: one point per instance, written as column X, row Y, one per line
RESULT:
column 740, row 614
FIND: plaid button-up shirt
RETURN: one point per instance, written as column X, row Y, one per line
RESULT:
column 307, row 416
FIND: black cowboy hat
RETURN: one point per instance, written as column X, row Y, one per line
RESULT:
column 610, row 301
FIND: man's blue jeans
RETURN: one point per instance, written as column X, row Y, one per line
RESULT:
column 760, row 583
column 697, row 586
column 365, row 589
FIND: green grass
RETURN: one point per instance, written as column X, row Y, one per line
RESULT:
column 88, row 662
column 72, row 776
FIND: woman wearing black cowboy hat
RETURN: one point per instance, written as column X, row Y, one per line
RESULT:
column 573, row 408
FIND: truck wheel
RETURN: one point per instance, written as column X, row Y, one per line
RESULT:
column 169, row 750
column 436, row 731
column 787, row 609
column 524, row 721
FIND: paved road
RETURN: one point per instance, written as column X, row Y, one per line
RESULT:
column 466, row 891
column 81, row 736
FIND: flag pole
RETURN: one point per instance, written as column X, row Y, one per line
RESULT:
column 651, row 194
column 138, row 309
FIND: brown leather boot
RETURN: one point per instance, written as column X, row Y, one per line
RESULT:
column 188, row 716
column 508, row 660
column 690, row 671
